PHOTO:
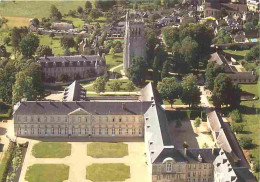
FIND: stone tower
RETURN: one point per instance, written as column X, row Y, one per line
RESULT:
column 135, row 43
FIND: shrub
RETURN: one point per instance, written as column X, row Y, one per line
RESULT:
column 236, row 116
column 245, row 142
column 238, row 128
column 197, row 122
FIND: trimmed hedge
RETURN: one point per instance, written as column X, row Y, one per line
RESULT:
column 6, row 161
column 182, row 114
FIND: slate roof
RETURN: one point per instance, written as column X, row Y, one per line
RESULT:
column 192, row 155
column 70, row 58
column 220, row 59
column 63, row 108
column 74, row 92
column 243, row 76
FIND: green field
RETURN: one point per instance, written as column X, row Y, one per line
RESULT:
column 109, row 171
column 238, row 55
column 47, row 173
column 107, row 150
column 250, row 88
column 51, row 150
column 114, row 61
column 39, row 9
column 77, row 22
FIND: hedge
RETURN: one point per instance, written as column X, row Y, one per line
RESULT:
column 6, row 161
column 182, row 114
column 6, row 115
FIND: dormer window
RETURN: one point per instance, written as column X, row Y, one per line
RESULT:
column 168, row 167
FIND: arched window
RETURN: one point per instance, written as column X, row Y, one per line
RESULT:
column 168, row 167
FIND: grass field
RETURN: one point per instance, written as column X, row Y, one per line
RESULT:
column 47, row 173
column 250, row 88
column 54, row 43
column 107, row 150
column 77, row 22
column 109, row 171
column 37, row 9
column 16, row 22
column 114, row 61
column 51, row 150
column 238, row 55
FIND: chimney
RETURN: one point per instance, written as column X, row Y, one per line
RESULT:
column 199, row 158
column 123, row 106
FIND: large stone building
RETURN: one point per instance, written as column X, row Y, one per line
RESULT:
column 135, row 43
column 129, row 119
column 73, row 66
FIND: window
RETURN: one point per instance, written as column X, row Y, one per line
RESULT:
column 194, row 174
column 133, row 119
column 86, row 119
column 210, row 166
column 58, row 119
column 113, row 119
column 188, row 174
column 59, row 130
column 189, row 166
column 194, row 166
column 93, row 131
column 133, row 131
column 32, row 119
column 86, row 131
column 52, row 130
column 120, row 119
column 32, row 130
column 199, row 173
column 158, row 177
column 126, row 119
column 113, row 131
column 45, row 131
column 99, row 118
column 126, row 130
column 199, row 166
column 19, row 130
column 99, row 130
column 73, row 130
column 79, row 119
column 120, row 131
column 168, row 167
column 38, row 119
column 179, row 168
column 65, row 119
column 140, row 119
column 39, row 131
column 205, row 166
column 168, row 177
column 106, row 130
column 140, row 131
column 66, row 129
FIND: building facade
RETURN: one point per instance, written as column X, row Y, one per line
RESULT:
column 79, row 67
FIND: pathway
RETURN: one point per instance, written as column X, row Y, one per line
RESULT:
column 78, row 160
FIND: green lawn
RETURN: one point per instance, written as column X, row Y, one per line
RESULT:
column 108, row 172
column 107, row 150
column 47, row 173
column 54, row 43
column 39, row 9
column 238, row 55
column 114, row 61
column 108, row 89
column 51, row 150
column 118, row 70
column 77, row 22
column 250, row 88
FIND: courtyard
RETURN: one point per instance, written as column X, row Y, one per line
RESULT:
column 117, row 161
column 199, row 137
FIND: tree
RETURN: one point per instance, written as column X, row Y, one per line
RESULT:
column 112, row 52
column 80, row 10
column 190, row 92
column 238, row 128
column 130, row 86
column 94, row 14
column 223, row 37
column 44, row 50
column 115, row 86
column 29, row 44
column 7, row 40
column 63, row 77
column 225, row 92
column 15, row 38
column 245, row 142
column 165, row 70
column 55, row 13
column 170, row 89
column 253, row 54
column 151, row 42
column 170, row 35
column 156, row 63
column 212, row 72
column 137, row 71
column 99, row 85
column 197, row 122
column 67, row 42
column 88, row 5
column 35, row 22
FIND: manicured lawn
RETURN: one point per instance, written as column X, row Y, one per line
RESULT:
column 250, row 88
column 47, row 173
column 114, row 61
column 107, row 150
column 108, row 172
column 238, row 55
column 118, row 70
column 39, row 9
column 51, row 150
column 108, row 89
